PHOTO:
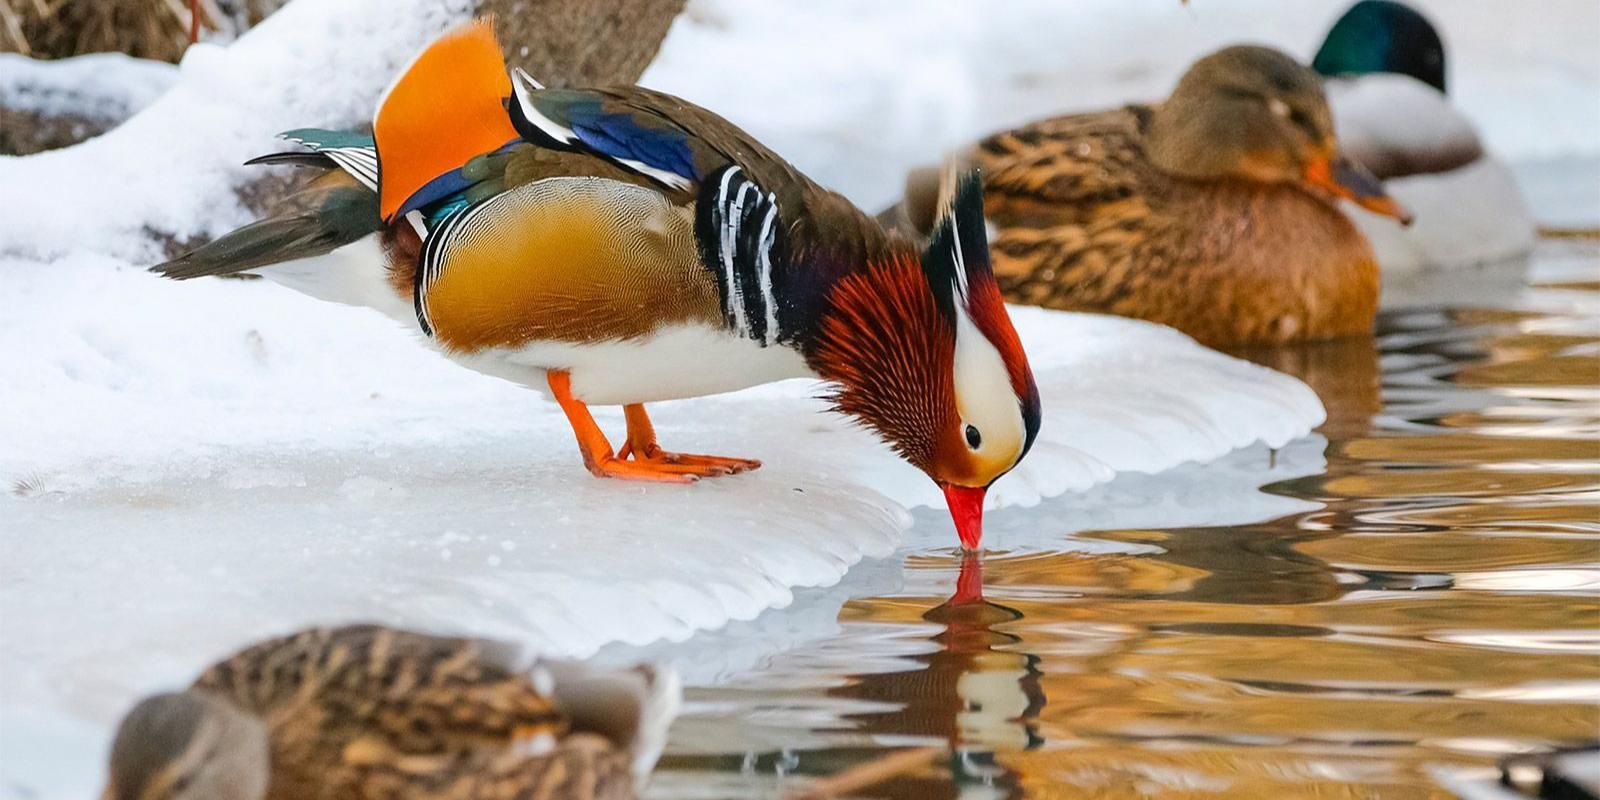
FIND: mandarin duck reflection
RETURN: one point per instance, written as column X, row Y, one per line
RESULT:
column 976, row 692
column 622, row 246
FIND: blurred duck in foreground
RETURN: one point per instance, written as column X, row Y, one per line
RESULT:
column 1386, row 80
column 364, row 712
column 1215, row 212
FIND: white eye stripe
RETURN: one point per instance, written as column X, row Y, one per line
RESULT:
column 985, row 399
column 961, row 261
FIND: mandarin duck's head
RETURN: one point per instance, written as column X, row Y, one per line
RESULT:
column 1256, row 114
column 188, row 746
column 922, row 352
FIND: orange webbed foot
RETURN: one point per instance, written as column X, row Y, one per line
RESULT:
column 702, row 465
column 632, row 470
column 640, row 459
column 642, row 447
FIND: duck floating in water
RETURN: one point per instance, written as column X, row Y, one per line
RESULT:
column 1215, row 212
column 365, row 711
column 622, row 246
column 1386, row 81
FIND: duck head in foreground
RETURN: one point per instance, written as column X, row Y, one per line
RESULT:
column 621, row 246
column 1215, row 212
column 364, row 711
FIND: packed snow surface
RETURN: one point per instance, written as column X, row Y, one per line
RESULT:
column 194, row 466
column 99, row 86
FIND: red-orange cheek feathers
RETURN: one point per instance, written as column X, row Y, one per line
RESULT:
column 888, row 349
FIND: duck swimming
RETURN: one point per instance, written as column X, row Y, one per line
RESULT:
column 1215, row 212
column 1386, row 71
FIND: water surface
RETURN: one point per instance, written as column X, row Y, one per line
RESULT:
column 1421, row 593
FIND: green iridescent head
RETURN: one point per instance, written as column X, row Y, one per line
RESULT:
column 1383, row 36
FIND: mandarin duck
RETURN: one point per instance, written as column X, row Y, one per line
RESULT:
column 365, row 711
column 622, row 246
column 1213, row 212
column 1384, row 66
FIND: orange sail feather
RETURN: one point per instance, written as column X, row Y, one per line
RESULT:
column 444, row 109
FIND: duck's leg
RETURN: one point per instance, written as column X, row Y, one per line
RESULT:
column 597, row 455
column 641, row 445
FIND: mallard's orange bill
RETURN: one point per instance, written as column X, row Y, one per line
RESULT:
column 1343, row 177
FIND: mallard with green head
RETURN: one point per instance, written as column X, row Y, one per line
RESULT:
column 1386, row 75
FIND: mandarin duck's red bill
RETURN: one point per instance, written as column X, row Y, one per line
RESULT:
column 622, row 246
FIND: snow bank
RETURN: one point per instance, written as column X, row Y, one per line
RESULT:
column 101, row 86
column 172, row 168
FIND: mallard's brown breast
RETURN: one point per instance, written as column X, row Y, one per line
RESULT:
column 1227, row 262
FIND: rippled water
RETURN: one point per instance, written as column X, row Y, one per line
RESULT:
column 1417, row 591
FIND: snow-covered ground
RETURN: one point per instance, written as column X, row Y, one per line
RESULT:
column 100, row 86
column 193, row 466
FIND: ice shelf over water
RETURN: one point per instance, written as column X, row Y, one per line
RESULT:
column 189, row 467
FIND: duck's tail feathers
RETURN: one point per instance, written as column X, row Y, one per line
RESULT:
column 353, row 152
column 446, row 107
column 330, row 213
column 300, row 159
column 631, row 707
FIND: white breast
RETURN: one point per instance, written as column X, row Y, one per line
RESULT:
column 674, row 363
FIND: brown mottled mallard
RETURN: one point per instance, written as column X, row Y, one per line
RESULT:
column 1215, row 212
column 371, row 712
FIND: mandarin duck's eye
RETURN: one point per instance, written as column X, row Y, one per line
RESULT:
column 974, row 439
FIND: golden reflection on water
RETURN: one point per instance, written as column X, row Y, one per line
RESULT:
column 1440, row 607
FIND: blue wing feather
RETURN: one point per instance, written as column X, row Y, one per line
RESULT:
column 619, row 134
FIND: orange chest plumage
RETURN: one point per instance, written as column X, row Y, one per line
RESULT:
column 568, row 260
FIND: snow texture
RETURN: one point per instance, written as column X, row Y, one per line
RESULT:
column 172, row 169
column 100, row 86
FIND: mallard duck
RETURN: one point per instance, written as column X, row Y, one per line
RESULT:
column 364, row 711
column 622, row 246
column 1386, row 71
column 1215, row 212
